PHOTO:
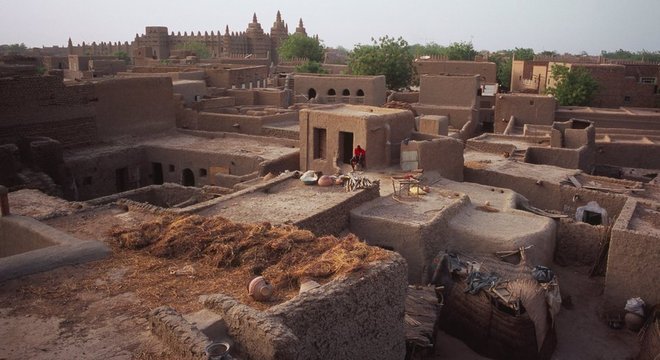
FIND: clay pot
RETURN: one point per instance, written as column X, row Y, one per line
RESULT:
column 217, row 351
column 260, row 289
column 633, row 321
column 326, row 180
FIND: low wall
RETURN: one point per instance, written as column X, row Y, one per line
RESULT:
column 245, row 124
column 633, row 155
column 581, row 158
column 65, row 249
column 336, row 219
column 357, row 317
column 184, row 339
column 360, row 317
column 547, row 195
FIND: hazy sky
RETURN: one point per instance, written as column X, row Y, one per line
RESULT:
column 561, row 25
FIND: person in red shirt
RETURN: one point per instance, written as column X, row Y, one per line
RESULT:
column 358, row 157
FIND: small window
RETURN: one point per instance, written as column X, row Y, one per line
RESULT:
column 87, row 180
column 202, row 172
column 648, row 80
column 592, row 218
column 531, row 102
column 360, row 92
column 171, row 168
column 332, row 92
column 346, row 92
column 626, row 99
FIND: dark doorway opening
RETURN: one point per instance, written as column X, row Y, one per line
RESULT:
column 592, row 218
column 345, row 147
column 121, row 179
column 311, row 94
column 188, row 178
column 487, row 127
column 157, row 172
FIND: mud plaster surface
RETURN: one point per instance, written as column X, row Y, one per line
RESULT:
column 289, row 201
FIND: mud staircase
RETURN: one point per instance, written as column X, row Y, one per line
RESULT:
column 518, row 155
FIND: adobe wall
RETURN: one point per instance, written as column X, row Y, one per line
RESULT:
column 578, row 243
column 380, row 134
column 95, row 175
column 336, row 219
column 246, row 77
column 245, row 124
column 174, row 161
column 649, row 119
column 266, row 97
column 527, row 109
column 582, row 158
column 134, row 106
column 358, row 317
column 44, row 106
column 458, row 91
column 444, row 155
column 486, row 70
column 458, row 116
column 635, row 155
column 373, row 88
column 547, row 195
column 190, row 90
column 633, row 262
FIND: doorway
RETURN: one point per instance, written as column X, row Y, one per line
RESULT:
column 157, row 173
column 345, row 147
column 188, row 178
column 121, row 179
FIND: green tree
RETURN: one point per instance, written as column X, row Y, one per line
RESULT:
column 628, row 55
column 429, row 49
column 196, row 47
column 549, row 53
column 461, row 51
column 573, row 86
column 301, row 46
column 502, row 60
column 15, row 49
column 387, row 56
column 122, row 55
column 523, row 53
column 311, row 67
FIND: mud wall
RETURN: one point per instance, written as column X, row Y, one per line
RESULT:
column 358, row 318
column 633, row 262
column 578, row 243
column 444, row 155
column 134, row 106
column 337, row 218
column 566, row 158
column 527, row 109
column 44, row 106
column 246, row 124
column 96, row 175
column 547, row 195
column 634, row 155
column 458, row 91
